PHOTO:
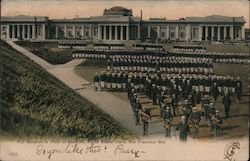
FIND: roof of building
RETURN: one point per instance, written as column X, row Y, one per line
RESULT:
column 24, row 18
column 118, row 10
column 102, row 19
column 215, row 18
column 207, row 19
column 121, row 14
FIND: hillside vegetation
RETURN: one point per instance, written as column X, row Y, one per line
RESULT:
column 34, row 103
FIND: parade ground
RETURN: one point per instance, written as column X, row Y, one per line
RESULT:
column 235, row 126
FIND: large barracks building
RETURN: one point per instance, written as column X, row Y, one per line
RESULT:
column 118, row 24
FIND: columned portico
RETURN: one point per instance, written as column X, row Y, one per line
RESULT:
column 217, row 33
column 23, row 31
column 113, row 32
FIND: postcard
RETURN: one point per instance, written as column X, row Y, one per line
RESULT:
column 124, row 80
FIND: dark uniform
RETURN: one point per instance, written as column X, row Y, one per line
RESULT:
column 211, row 113
column 196, row 97
column 187, row 109
column 161, row 103
column 103, row 80
column 175, row 102
column 227, row 103
column 168, row 117
column 206, row 103
column 195, row 119
column 96, row 82
column 238, row 92
column 154, row 94
column 145, row 116
column 216, row 124
column 138, row 107
column 215, row 91
column 183, row 130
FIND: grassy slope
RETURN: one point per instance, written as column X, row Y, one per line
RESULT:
column 34, row 103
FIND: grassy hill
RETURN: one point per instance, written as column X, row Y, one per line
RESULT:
column 34, row 103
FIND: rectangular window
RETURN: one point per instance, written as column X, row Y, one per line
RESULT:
column 102, row 32
column 172, row 35
column 113, row 32
column 39, row 32
column 182, row 34
column 163, row 34
column 95, row 31
column 124, row 32
column 107, row 32
column 86, row 31
column 78, row 33
column 118, row 32
column 70, row 34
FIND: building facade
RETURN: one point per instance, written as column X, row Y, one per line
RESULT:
column 118, row 24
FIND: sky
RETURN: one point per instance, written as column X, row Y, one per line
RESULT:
column 150, row 8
